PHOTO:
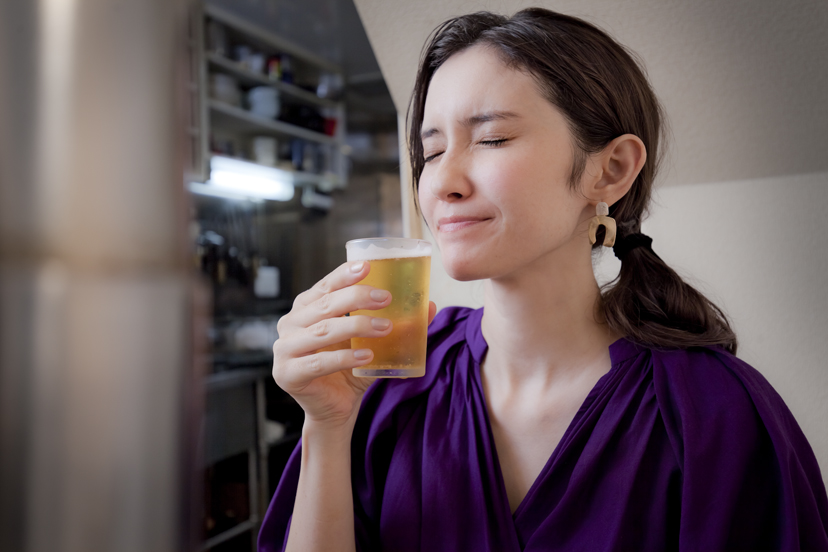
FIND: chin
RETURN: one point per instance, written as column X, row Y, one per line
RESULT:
column 464, row 268
column 466, row 276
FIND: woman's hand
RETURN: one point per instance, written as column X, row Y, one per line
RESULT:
column 312, row 359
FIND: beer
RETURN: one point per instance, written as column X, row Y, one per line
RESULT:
column 401, row 266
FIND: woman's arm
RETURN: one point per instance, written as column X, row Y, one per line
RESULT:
column 323, row 515
column 312, row 362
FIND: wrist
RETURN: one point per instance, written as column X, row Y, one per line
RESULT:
column 329, row 431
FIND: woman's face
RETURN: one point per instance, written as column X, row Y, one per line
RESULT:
column 494, row 190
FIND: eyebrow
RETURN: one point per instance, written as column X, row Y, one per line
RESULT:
column 473, row 121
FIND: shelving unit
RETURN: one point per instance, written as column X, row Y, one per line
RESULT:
column 235, row 424
column 236, row 396
column 295, row 235
column 218, row 117
column 240, row 391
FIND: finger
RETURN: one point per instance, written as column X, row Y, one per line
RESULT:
column 344, row 275
column 296, row 374
column 326, row 333
column 339, row 303
column 432, row 311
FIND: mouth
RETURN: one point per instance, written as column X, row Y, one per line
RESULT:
column 457, row 223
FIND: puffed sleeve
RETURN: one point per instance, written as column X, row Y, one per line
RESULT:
column 274, row 530
column 750, row 480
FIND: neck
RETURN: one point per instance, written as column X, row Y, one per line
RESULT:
column 540, row 324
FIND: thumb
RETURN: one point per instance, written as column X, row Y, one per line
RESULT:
column 432, row 311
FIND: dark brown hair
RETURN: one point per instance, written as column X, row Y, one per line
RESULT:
column 603, row 93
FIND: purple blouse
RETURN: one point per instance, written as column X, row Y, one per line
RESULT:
column 671, row 450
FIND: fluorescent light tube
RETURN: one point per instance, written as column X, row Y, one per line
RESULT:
column 252, row 180
column 224, row 193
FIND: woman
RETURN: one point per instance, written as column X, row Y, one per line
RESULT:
column 557, row 417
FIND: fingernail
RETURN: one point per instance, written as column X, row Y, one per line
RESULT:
column 357, row 267
column 380, row 323
column 379, row 295
column 362, row 354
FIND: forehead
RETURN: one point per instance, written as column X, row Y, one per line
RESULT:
column 477, row 80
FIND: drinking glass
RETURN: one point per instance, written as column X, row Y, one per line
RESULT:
column 401, row 266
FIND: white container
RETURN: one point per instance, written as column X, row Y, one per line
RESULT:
column 264, row 150
column 256, row 62
column 267, row 282
column 264, row 102
column 225, row 88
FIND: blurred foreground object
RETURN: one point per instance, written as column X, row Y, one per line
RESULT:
column 95, row 306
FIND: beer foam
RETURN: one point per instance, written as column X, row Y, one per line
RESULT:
column 373, row 252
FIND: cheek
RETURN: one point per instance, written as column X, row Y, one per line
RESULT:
column 517, row 184
column 426, row 201
column 534, row 198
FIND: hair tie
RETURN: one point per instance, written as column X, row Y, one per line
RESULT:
column 629, row 242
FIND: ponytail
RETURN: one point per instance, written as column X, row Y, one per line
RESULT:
column 649, row 303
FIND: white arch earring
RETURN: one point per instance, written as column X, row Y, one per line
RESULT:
column 602, row 218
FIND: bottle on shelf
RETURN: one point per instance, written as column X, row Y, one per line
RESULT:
column 287, row 68
column 274, row 68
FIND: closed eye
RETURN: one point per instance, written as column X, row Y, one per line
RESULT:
column 494, row 143
column 491, row 143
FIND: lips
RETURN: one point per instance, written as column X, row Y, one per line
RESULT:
column 456, row 223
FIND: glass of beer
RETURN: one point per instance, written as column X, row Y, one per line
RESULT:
column 402, row 266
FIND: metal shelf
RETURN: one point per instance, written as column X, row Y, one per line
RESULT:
column 249, row 78
column 239, row 125
column 232, row 391
column 236, row 119
column 269, row 40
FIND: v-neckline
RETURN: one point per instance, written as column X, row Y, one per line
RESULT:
column 479, row 354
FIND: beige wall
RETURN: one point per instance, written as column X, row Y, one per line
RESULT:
column 744, row 84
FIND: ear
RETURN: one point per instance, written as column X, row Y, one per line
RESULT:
column 619, row 164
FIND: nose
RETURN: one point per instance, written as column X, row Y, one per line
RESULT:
column 449, row 179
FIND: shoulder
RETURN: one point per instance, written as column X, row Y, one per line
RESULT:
column 749, row 474
column 711, row 372
column 712, row 401
column 710, row 380
column 704, row 382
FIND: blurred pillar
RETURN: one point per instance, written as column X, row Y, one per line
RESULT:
column 94, row 303
column 411, row 220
